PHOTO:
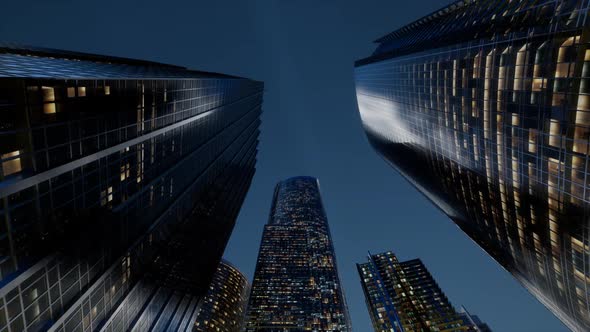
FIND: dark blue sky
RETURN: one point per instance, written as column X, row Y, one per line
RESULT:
column 304, row 53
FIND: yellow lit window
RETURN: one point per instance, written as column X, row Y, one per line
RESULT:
column 533, row 140
column 562, row 69
column 71, row 92
column 583, row 105
column 519, row 72
column 555, row 137
column 49, row 108
column 48, row 93
column 81, row 91
column 107, row 90
column 515, row 119
column 125, row 171
column 11, row 166
column 539, row 84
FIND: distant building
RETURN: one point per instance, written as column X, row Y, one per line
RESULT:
column 296, row 285
column 224, row 307
column 484, row 107
column 120, row 182
column 403, row 296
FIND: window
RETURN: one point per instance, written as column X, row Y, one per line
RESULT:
column 49, row 108
column 125, row 171
column 48, row 99
column 106, row 196
column 48, row 93
column 81, row 91
column 539, row 84
column 554, row 131
column 13, row 165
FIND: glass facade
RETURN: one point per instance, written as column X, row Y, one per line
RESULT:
column 403, row 296
column 224, row 307
column 296, row 285
column 473, row 320
column 484, row 107
column 114, row 174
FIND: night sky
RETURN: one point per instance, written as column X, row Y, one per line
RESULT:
column 304, row 52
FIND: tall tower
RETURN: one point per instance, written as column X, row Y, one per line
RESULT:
column 120, row 182
column 403, row 296
column 484, row 107
column 224, row 307
column 296, row 284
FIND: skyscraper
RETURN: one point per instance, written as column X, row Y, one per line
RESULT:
column 224, row 307
column 120, row 182
column 483, row 107
column 296, row 285
column 403, row 296
column 473, row 320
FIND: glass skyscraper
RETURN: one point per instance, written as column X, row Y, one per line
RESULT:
column 120, row 182
column 484, row 106
column 296, row 285
column 224, row 307
column 403, row 296
column 473, row 320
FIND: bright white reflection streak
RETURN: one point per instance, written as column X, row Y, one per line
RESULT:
column 380, row 116
column 383, row 117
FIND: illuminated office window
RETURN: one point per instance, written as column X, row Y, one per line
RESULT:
column 49, row 108
column 48, row 93
column 13, row 164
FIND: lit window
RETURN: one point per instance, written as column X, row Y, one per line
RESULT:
column 125, row 171
column 563, row 69
column 106, row 196
column 533, row 140
column 519, row 72
column 11, row 166
column 48, row 93
column 555, row 137
column 515, row 119
column 49, row 108
column 81, row 91
column 583, row 105
column 539, row 84
column 71, row 92
column 107, row 90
